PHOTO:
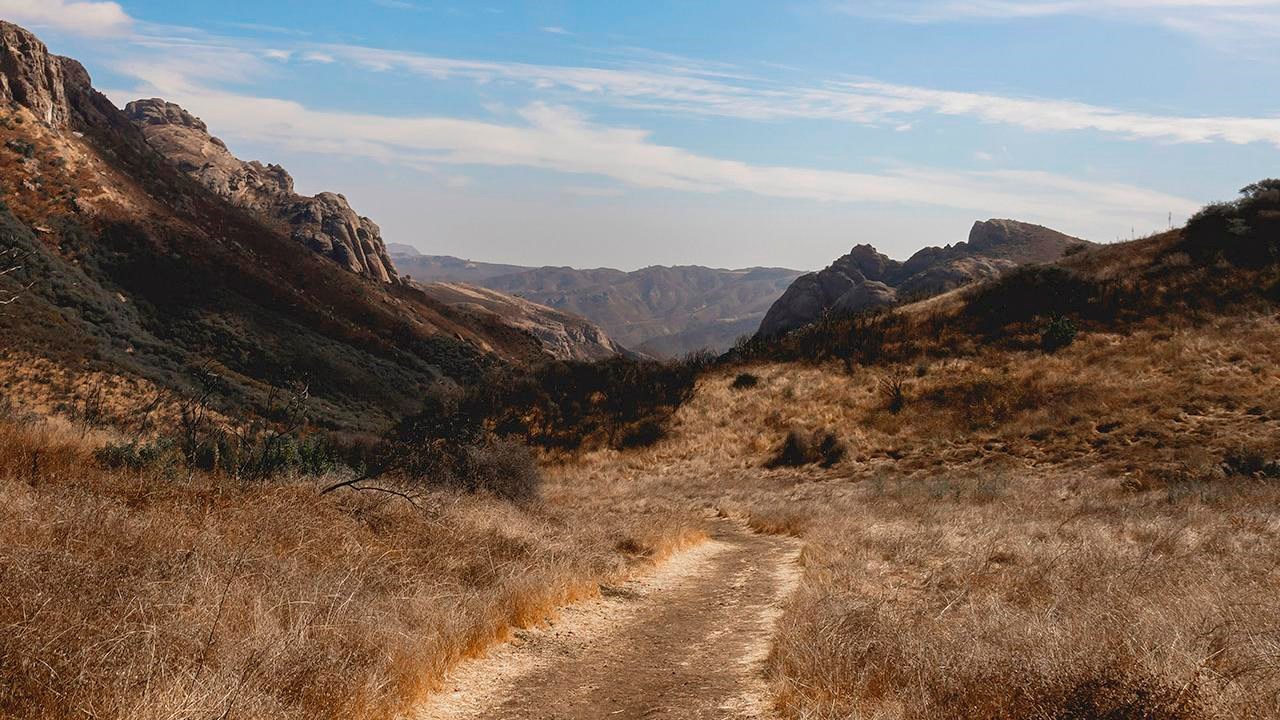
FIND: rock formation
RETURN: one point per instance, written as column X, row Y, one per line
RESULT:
column 325, row 223
column 31, row 77
column 562, row 335
column 866, row 279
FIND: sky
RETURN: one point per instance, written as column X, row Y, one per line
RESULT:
column 730, row 134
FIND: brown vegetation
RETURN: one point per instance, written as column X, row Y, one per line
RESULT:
column 1089, row 533
column 158, row 594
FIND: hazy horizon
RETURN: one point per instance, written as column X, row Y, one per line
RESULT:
column 575, row 134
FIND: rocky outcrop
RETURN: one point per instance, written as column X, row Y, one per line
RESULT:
column 325, row 223
column 562, row 335
column 31, row 77
column 866, row 279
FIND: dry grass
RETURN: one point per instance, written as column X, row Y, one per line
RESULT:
column 128, row 595
column 1092, row 533
column 1031, row 536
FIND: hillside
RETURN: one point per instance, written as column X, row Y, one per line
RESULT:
column 128, row 267
column 658, row 311
column 867, row 279
column 563, row 336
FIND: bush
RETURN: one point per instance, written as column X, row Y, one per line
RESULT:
column 642, row 434
column 808, row 448
column 138, row 455
column 1245, row 232
column 501, row 466
column 1059, row 333
column 22, row 147
column 894, row 389
column 1250, row 462
column 744, row 381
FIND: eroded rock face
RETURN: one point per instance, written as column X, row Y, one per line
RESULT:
column 866, row 279
column 31, row 77
column 325, row 223
column 562, row 335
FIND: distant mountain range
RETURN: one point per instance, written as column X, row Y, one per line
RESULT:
column 659, row 311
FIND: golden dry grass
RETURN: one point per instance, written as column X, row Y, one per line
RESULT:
column 126, row 595
column 1032, row 536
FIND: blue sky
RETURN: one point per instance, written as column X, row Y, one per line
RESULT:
column 729, row 134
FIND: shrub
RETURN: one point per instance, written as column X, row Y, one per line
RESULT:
column 502, row 466
column 642, row 434
column 1243, row 232
column 1252, row 462
column 744, row 380
column 138, row 455
column 1059, row 333
column 808, row 448
column 22, row 147
column 894, row 389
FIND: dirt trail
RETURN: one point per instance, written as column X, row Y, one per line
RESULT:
column 687, row 641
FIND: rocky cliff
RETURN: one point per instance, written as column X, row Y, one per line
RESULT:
column 866, row 279
column 31, row 77
column 138, row 266
column 325, row 223
column 562, row 335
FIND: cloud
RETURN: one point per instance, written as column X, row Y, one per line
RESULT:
column 554, row 30
column 690, row 91
column 1060, row 115
column 82, row 18
column 1216, row 20
column 946, row 10
column 558, row 139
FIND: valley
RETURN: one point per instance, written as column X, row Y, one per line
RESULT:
column 258, row 462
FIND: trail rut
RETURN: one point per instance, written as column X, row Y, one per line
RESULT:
column 687, row 641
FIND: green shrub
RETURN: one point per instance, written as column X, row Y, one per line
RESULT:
column 1245, row 232
column 22, row 147
column 1059, row 333
column 140, row 455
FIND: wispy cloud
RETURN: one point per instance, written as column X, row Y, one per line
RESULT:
column 554, row 30
column 869, row 103
column 82, row 18
column 559, row 139
column 1233, row 20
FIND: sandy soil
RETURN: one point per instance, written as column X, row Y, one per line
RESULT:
column 686, row 641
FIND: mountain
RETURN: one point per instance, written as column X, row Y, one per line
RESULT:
column 445, row 268
column 327, row 225
column 659, row 311
column 866, row 278
column 562, row 335
column 164, row 273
